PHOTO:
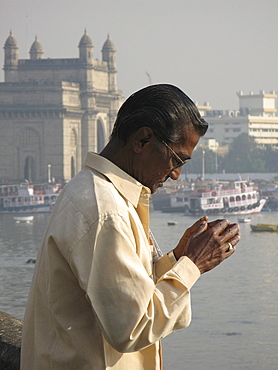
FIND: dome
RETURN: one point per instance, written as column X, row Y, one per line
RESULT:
column 36, row 47
column 108, row 45
column 11, row 41
column 85, row 40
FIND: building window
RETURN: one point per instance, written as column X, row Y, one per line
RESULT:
column 73, row 139
column 28, row 138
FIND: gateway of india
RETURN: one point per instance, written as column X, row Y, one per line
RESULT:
column 52, row 111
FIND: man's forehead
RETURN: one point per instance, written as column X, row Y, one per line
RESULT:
column 189, row 136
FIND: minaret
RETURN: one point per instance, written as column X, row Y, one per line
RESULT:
column 11, row 59
column 109, row 56
column 36, row 51
column 86, row 49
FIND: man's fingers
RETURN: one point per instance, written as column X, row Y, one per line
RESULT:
column 197, row 223
column 230, row 232
column 202, row 226
column 219, row 226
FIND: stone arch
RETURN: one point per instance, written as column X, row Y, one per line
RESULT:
column 100, row 135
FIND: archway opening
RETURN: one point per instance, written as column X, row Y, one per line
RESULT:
column 29, row 169
column 72, row 167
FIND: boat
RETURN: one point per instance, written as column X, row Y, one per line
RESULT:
column 172, row 223
column 178, row 199
column 244, row 220
column 26, row 219
column 264, row 227
column 237, row 197
column 28, row 198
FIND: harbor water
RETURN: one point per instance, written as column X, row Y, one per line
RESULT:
column 234, row 307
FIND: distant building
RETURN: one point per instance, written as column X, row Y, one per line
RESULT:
column 256, row 117
column 52, row 111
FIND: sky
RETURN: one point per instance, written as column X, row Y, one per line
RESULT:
column 211, row 49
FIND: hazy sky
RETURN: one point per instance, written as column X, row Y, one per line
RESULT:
column 209, row 48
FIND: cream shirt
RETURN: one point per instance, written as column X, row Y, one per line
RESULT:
column 97, row 299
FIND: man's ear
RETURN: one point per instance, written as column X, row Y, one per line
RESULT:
column 141, row 138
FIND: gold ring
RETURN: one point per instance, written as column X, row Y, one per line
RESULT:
column 230, row 247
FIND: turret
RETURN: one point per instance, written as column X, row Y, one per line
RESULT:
column 86, row 49
column 109, row 56
column 36, row 51
column 11, row 59
column 109, row 53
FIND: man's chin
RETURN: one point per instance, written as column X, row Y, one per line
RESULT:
column 156, row 186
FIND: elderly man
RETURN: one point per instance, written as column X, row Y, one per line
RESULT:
column 102, row 295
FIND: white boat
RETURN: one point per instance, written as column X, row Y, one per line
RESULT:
column 234, row 198
column 244, row 220
column 26, row 219
column 28, row 198
column 172, row 223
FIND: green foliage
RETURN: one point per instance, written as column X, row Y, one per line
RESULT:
column 244, row 155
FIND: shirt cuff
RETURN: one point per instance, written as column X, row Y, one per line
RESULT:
column 187, row 270
column 172, row 257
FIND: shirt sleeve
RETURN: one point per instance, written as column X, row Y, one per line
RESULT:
column 165, row 263
column 133, row 311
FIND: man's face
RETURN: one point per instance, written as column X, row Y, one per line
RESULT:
column 158, row 162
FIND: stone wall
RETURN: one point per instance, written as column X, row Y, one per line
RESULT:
column 10, row 341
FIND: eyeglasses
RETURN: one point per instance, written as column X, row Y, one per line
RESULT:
column 179, row 161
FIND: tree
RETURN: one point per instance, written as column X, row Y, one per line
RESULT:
column 244, row 155
column 271, row 159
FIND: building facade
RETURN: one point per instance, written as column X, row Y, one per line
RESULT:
column 52, row 111
column 256, row 117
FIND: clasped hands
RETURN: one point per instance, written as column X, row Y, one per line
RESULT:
column 207, row 244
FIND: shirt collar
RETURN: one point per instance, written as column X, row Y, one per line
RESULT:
column 130, row 188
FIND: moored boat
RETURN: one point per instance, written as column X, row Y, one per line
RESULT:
column 244, row 220
column 235, row 197
column 172, row 223
column 264, row 227
column 179, row 199
column 26, row 219
column 28, row 198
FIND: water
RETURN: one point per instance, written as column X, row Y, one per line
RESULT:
column 235, row 306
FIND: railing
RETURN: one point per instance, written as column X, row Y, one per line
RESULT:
column 226, row 192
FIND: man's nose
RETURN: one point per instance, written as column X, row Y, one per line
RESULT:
column 175, row 174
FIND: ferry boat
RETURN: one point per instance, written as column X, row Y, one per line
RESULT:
column 178, row 202
column 235, row 197
column 28, row 198
column 178, row 199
